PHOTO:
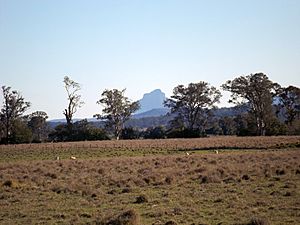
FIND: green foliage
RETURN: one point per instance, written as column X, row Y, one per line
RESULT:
column 13, row 108
column 20, row 132
column 130, row 133
column 38, row 126
column 227, row 125
column 117, row 110
column 185, row 133
column 81, row 131
column 257, row 91
column 155, row 133
column 191, row 105
column 289, row 102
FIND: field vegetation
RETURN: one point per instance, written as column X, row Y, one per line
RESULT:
column 251, row 181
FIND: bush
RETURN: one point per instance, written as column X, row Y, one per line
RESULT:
column 80, row 131
column 185, row 133
column 130, row 133
column 155, row 133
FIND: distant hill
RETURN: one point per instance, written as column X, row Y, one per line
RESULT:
column 152, row 100
column 152, row 113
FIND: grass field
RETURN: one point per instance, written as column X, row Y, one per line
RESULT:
column 251, row 181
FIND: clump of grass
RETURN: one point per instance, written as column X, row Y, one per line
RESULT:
column 169, row 180
column 211, row 178
column 280, row 172
column 8, row 183
column 51, row 175
column 171, row 222
column 141, row 199
column 130, row 217
column 258, row 221
column 245, row 177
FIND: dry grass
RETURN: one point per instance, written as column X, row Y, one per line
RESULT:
column 233, row 188
column 97, row 149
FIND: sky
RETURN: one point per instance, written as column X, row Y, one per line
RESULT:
column 142, row 45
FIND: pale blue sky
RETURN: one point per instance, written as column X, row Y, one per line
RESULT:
column 142, row 45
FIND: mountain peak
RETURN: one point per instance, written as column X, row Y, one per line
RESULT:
column 152, row 100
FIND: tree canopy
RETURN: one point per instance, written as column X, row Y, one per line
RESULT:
column 117, row 109
column 191, row 104
column 14, row 106
column 257, row 91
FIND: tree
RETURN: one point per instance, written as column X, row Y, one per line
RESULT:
column 158, row 132
column 74, row 102
column 191, row 105
column 289, row 101
column 38, row 126
column 258, row 92
column 227, row 125
column 129, row 133
column 13, row 108
column 117, row 110
column 20, row 132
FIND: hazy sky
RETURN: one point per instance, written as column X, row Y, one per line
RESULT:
column 142, row 46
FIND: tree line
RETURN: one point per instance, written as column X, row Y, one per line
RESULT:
column 262, row 108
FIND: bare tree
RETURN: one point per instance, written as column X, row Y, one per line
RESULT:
column 117, row 111
column 74, row 102
column 13, row 108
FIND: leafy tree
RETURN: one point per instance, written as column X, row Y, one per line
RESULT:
column 130, row 133
column 60, row 133
column 258, row 92
column 289, row 101
column 245, row 125
column 13, row 108
column 20, row 132
column 85, row 131
column 38, row 126
column 74, row 102
column 191, row 105
column 155, row 133
column 227, row 125
column 117, row 110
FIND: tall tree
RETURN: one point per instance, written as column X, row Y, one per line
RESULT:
column 117, row 109
column 289, row 101
column 13, row 108
column 192, row 104
column 257, row 91
column 74, row 101
column 38, row 125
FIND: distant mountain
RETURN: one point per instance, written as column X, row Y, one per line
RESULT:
column 152, row 100
column 152, row 113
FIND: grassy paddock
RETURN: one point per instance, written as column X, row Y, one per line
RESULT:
column 107, row 186
column 97, row 149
